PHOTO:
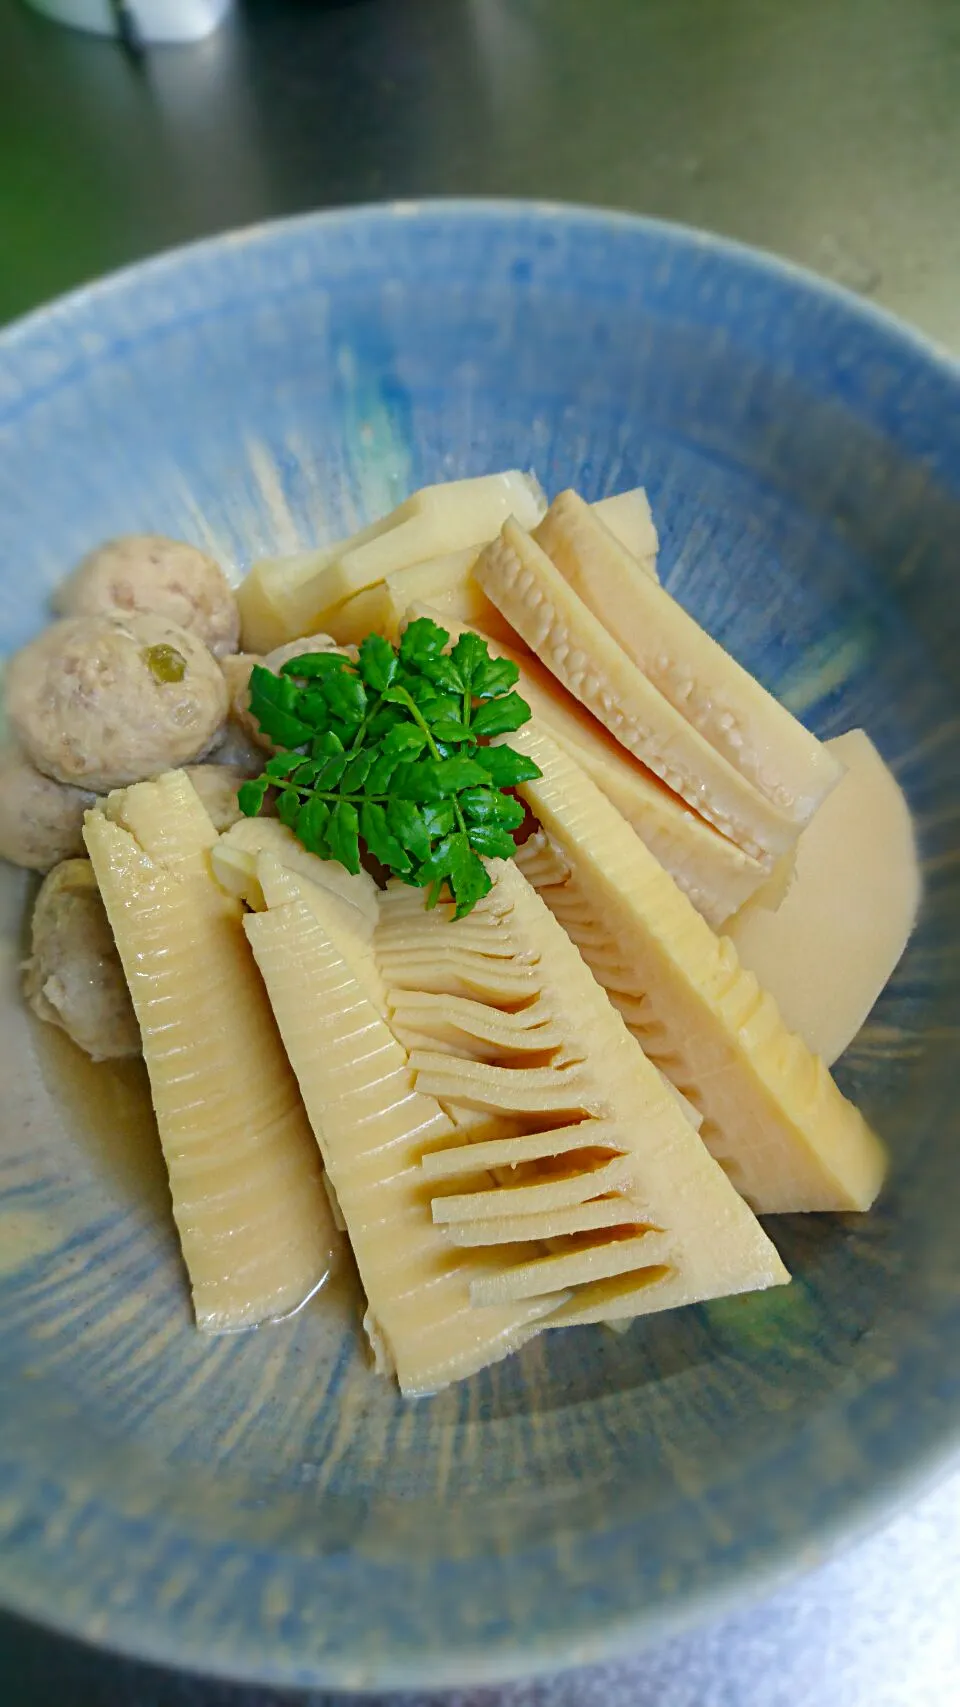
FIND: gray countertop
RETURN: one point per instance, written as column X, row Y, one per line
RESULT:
column 828, row 131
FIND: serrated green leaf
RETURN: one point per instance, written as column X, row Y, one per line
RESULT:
column 250, row 795
column 469, row 879
column 489, row 806
column 381, row 772
column 331, row 771
column 357, row 770
column 492, row 841
column 380, row 839
column 385, row 718
column 407, row 822
column 346, row 733
column 378, row 662
column 417, row 782
column 312, row 666
column 273, row 703
column 442, row 673
column 470, row 654
column 312, row 708
column 439, row 818
column 312, row 825
column 510, row 812
column 326, row 744
column 398, row 693
column 480, row 804
column 500, row 716
column 282, row 764
column 405, row 741
column 451, row 775
column 495, row 676
column 345, row 695
column 421, row 640
column 343, row 835
column 451, row 729
column 288, row 808
column 270, row 689
column 282, row 729
column 427, row 819
column 441, row 861
column 456, row 862
column 506, row 767
column 446, row 705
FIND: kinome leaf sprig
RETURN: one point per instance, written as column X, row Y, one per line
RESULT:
column 392, row 751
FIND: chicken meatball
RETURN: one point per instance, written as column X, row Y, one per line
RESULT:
column 99, row 702
column 41, row 822
column 73, row 978
column 217, row 787
column 237, row 672
column 145, row 572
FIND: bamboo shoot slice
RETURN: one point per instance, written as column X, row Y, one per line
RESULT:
column 759, row 737
column 717, row 875
column 772, row 1115
column 827, row 952
column 606, row 1108
column 245, row 1178
column 530, row 592
column 448, row 585
column 629, row 518
column 282, row 598
column 367, row 612
column 374, row 1127
column 235, row 855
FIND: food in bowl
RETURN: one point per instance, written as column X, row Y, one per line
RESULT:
column 451, row 971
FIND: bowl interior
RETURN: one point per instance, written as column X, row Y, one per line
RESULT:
column 261, row 1504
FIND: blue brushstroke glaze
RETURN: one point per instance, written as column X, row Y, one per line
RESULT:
column 262, row 1506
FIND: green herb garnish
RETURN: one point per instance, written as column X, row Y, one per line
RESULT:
column 391, row 752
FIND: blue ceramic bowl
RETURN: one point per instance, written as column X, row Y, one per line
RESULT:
column 262, row 1505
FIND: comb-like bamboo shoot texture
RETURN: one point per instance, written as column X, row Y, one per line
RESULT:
column 557, row 625
column 758, row 735
column 245, row 1178
column 448, row 584
column 374, row 1128
column 602, row 1197
column 772, row 1115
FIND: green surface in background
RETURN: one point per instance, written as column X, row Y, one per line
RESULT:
column 829, row 130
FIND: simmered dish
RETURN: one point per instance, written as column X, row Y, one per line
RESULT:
column 482, row 912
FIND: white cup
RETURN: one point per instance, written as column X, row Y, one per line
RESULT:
column 153, row 20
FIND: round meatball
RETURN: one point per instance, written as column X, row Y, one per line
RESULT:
column 146, row 572
column 99, row 702
column 41, row 822
column 217, row 787
column 237, row 673
column 73, row 977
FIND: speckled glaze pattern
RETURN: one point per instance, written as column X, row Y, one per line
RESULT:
column 261, row 1505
